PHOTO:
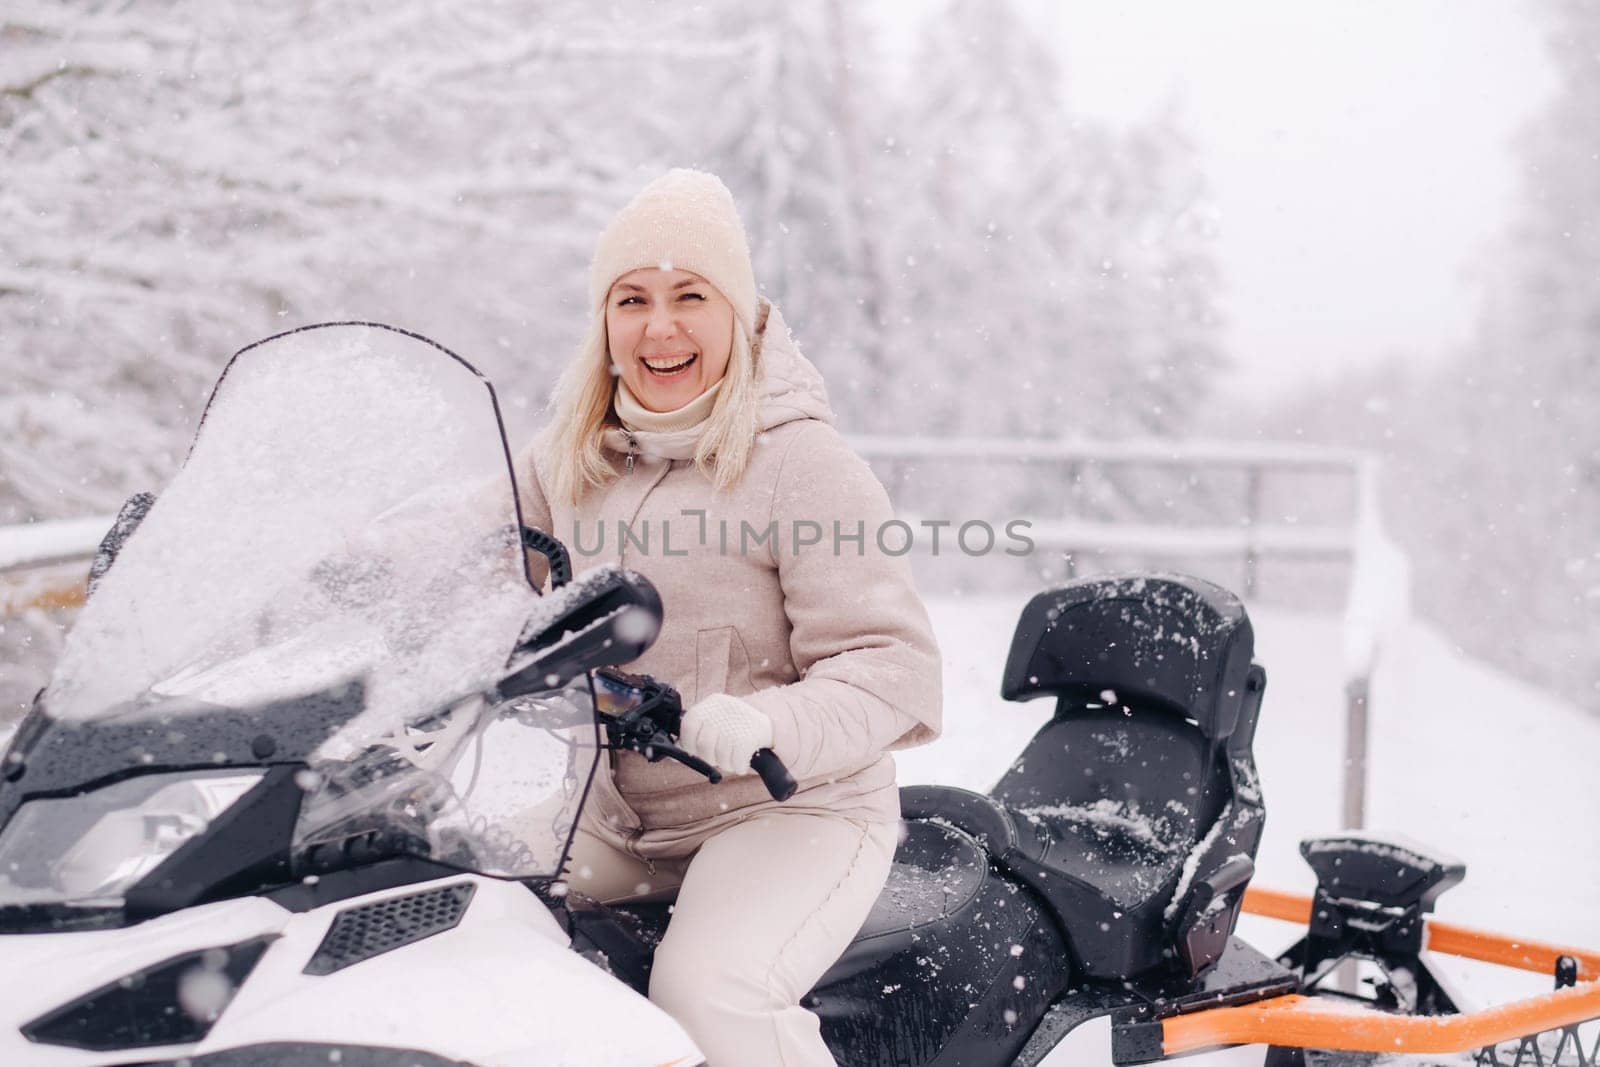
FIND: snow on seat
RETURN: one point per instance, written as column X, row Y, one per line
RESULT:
column 937, row 873
column 1136, row 799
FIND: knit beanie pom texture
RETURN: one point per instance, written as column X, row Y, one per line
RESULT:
column 684, row 220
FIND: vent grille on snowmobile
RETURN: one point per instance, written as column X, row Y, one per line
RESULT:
column 373, row 929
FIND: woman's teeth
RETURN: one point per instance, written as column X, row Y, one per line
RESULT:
column 670, row 365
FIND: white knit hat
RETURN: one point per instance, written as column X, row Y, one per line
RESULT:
column 684, row 220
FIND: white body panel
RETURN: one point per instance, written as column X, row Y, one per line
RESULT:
column 501, row 989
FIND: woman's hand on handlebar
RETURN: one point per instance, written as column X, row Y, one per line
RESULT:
column 642, row 715
column 725, row 732
column 736, row 738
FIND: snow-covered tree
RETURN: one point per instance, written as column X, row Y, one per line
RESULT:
column 1492, row 459
column 1531, row 385
column 1060, row 268
column 182, row 178
column 797, row 110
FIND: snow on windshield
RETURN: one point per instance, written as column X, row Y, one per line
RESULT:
column 346, row 511
column 346, row 514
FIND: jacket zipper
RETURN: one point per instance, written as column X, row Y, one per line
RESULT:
column 631, row 842
column 631, row 845
column 632, row 829
column 666, row 467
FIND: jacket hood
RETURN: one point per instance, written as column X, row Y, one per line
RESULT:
column 791, row 387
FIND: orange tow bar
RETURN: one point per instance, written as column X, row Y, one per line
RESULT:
column 1446, row 938
column 1304, row 1022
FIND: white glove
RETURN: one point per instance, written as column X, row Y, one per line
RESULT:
column 725, row 732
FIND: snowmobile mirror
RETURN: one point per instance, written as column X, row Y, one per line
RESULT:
column 606, row 618
column 128, row 519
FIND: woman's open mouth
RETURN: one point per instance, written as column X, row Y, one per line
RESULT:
column 669, row 366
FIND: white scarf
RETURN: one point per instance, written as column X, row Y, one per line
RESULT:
column 668, row 434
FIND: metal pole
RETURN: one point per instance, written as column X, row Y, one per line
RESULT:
column 1356, row 692
column 1252, row 514
column 1354, row 815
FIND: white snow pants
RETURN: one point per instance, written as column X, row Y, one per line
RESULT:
column 765, row 907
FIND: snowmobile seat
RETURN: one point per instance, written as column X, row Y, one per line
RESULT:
column 948, row 960
column 949, row 944
column 937, row 874
column 1136, row 808
column 936, row 877
column 944, row 911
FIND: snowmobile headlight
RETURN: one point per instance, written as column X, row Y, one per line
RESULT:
column 89, row 850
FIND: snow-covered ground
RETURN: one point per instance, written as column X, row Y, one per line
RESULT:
column 1462, row 757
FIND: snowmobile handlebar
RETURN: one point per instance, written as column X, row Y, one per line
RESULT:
column 643, row 715
column 779, row 782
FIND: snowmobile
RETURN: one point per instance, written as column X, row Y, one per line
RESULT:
column 302, row 787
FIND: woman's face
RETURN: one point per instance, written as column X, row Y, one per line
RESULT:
column 670, row 333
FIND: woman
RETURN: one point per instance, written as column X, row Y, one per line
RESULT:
column 690, row 419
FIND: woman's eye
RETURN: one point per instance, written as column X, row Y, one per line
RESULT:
column 625, row 301
column 693, row 296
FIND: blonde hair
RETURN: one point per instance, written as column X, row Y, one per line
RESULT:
column 583, row 412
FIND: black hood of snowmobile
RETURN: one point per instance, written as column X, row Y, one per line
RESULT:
column 56, row 757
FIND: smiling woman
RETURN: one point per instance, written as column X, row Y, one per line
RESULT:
column 670, row 334
column 689, row 407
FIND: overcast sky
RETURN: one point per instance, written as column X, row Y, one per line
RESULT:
column 1360, row 152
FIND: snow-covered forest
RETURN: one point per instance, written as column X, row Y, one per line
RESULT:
column 184, row 177
column 1493, row 457
column 962, row 250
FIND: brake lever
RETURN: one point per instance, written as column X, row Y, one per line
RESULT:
column 662, row 747
column 649, row 727
column 638, row 733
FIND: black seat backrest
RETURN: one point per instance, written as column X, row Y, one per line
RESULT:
column 1161, row 641
column 1137, row 803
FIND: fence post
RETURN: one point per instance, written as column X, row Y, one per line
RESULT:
column 1075, row 509
column 1252, row 515
column 1356, row 691
column 1379, row 603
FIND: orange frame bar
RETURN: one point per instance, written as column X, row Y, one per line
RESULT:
column 1537, row 956
column 1304, row 1022
column 1277, row 904
column 42, row 591
column 47, row 600
column 1508, row 952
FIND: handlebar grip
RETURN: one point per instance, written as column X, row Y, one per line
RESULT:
column 780, row 783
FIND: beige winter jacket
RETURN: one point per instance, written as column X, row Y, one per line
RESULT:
column 828, row 638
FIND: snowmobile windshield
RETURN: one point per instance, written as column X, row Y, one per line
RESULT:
column 346, row 518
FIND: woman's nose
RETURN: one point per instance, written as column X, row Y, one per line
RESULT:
column 662, row 326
